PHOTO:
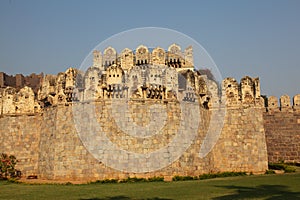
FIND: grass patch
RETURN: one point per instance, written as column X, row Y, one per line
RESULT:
column 280, row 186
column 208, row 176
column 287, row 168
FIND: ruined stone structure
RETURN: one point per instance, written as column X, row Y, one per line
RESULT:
column 130, row 95
column 19, row 81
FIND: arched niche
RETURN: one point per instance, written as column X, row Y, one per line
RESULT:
column 109, row 56
column 158, row 56
column 127, row 59
column 142, row 55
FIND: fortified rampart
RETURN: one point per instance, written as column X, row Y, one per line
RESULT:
column 167, row 117
column 48, row 145
column 282, row 129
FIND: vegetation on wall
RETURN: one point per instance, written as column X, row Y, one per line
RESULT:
column 7, row 166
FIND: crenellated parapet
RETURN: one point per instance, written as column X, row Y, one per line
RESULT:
column 140, row 82
column 281, row 124
column 19, row 81
column 145, row 73
column 247, row 92
column 142, row 74
column 173, row 57
column 283, row 104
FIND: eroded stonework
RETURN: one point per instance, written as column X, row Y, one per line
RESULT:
column 141, row 74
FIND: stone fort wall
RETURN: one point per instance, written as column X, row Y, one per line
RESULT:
column 237, row 130
column 49, row 146
column 282, row 129
column 47, row 143
column 20, row 136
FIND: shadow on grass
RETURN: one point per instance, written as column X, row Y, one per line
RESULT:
column 124, row 198
column 268, row 192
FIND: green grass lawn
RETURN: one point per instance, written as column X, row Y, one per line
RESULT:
column 271, row 187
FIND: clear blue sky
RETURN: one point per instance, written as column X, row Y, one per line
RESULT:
column 256, row 38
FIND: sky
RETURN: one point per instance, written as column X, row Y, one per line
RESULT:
column 255, row 38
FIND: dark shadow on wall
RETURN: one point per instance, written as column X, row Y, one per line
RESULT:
column 124, row 198
column 267, row 192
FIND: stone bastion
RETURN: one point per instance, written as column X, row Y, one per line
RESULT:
column 143, row 114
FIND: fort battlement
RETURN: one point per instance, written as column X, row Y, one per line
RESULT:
column 59, row 89
column 284, row 104
column 173, row 57
column 39, row 124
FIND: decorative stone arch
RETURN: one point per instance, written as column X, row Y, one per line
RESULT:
column 127, row 59
column 109, row 56
column 231, row 91
column 158, row 56
column 174, row 49
column 142, row 55
column 247, row 90
column 175, row 57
